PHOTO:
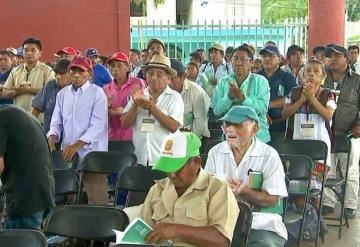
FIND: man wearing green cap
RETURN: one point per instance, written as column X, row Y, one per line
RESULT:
column 243, row 159
column 190, row 207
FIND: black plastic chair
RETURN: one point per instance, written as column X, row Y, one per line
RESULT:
column 59, row 163
column 314, row 149
column 209, row 145
column 107, row 163
column 216, row 134
column 342, row 144
column 137, row 180
column 214, row 124
column 26, row 238
column 243, row 226
column 86, row 222
column 121, row 146
column 299, row 168
column 67, row 183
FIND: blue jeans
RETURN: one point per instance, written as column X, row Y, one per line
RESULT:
column 32, row 222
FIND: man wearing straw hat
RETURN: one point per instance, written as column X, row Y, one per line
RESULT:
column 154, row 112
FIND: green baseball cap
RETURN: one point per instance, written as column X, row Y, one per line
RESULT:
column 176, row 150
column 239, row 114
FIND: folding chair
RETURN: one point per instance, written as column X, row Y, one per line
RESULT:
column 16, row 238
column 342, row 144
column 107, row 163
column 138, row 181
column 67, row 183
column 59, row 163
column 216, row 134
column 297, row 167
column 243, row 226
column 314, row 149
column 121, row 146
column 86, row 222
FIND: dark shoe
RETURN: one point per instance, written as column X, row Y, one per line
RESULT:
column 327, row 210
column 350, row 213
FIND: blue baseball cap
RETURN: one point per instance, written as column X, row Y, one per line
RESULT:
column 19, row 52
column 239, row 114
column 92, row 52
column 270, row 49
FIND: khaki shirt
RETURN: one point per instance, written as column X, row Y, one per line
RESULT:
column 209, row 201
column 37, row 76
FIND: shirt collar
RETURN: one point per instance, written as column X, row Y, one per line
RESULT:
column 186, row 85
column 116, row 86
column 253, row 150
column 83, row 88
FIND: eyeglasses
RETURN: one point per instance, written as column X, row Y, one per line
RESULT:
column 240, row 59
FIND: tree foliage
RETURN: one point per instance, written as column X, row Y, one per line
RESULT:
column 157, row 3
column 353, row 10
column 279, row 10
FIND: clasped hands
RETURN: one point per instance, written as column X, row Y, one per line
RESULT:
column 139, row 99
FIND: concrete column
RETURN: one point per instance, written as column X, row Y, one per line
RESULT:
column 326, row 23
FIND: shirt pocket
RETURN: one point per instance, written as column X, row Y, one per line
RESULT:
column 197, row 214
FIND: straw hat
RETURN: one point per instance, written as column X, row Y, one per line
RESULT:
column 161, row 62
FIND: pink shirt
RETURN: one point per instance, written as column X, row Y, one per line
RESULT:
column 120, row 97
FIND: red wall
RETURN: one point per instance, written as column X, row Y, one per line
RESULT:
column 104, row 24
column 326, row 22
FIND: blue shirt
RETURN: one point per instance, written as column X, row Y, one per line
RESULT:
column 3, row 78
column 81, row 114
column 101, row 75
column 281, row 83
column 45, row 102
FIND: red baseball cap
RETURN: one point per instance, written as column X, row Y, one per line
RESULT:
column 81, row 62
column 119, row 56
column 67, row 50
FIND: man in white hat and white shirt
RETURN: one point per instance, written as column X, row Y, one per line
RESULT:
column 154, row 112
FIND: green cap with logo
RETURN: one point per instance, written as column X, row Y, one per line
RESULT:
column 176, row 150
column 239, row 114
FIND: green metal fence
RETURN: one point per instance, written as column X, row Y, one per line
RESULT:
column 181, row 40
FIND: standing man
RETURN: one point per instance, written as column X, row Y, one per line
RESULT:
column 202, row 55
column 211, row 72
column 346, row 121
column 67, row 53
column 295, row 55
column 13, row 53
column 101, row 75
column 244, row 88
column 196, row 101
column 27, row 79
column 45, row 100
column 154, row 112
column 354, row 54
column 135, row 64
column 281, row 82
column 81, row 118
column 25, row 169
column 5, row 69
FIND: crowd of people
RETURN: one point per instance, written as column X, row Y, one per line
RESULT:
column 163, row 106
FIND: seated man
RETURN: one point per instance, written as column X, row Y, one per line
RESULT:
column 190, row 207
column 242, row 154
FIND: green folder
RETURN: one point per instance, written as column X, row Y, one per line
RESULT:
column 205, row 82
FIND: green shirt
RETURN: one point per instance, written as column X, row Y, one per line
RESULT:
column 256, row 91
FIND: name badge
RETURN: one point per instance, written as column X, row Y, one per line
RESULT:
column 147, row 125
column 307, row 129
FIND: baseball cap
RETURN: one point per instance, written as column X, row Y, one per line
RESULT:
column 155, row 41
column 239, row 114
column 176, row 150
column 67, row 50
column 293, row 48
column 178, row 66
column 317, row 49
column 92, row 52
column 270, row 49
column 217, row 47
column 337, row 49
column 119, row 56
column 61, row 67
column 12, row 50
column 19, row 52
column 81, row 62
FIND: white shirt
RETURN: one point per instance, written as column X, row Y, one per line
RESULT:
column 197, row 104
column 259, row 157
column 148, row 144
